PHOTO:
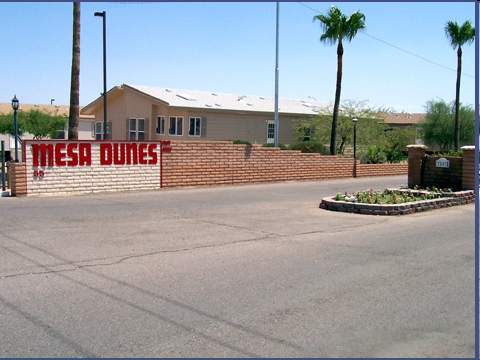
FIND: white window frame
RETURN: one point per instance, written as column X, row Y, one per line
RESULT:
column 178, row 120
column 197, row 128
column 270, row 131
column 160, row 125
column 136, row 131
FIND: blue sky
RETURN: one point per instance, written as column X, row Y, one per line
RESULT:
column 401, row 60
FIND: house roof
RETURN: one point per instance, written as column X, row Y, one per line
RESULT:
column 403, row 118
column 62, row 110
column 180, row 98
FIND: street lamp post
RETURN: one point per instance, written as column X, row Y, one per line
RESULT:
column 355, row 147
column 103, row 14
column 15, row 106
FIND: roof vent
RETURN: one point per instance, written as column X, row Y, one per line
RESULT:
column 208, row 105
column 249, row 104
column 186, row 96
column 168, row 90
column 214, row 94
column 217, row 104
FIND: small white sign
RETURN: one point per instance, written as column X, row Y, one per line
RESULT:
column 442, row 163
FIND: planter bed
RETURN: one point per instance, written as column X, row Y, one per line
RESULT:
column 445, row 200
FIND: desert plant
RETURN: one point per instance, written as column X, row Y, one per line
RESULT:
column 309, row 147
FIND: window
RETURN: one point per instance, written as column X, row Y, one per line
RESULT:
column 176, row 126
column 161, row 125
column 136, row 129
column 62, row 133
column 307, row 133
column 97, row 130
column 195, row 126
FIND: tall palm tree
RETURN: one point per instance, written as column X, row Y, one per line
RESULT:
column 459, row 35
column 75, row 76
column 337, row 27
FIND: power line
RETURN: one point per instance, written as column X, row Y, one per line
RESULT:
column 398, row 48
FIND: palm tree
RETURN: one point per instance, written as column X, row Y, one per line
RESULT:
column 337, row 27
column 75, row 77
column 459, row 36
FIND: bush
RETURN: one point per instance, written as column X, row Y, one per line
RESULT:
column 281, row 146
column 374, row 155
column 395, row 155
column 241, row 142
column 309, row 147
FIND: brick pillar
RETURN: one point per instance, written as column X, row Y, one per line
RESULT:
column 18, row 179
column 415, row 157
column 468, row 168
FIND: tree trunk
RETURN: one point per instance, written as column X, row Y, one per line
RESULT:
column 457, row 100
column 336, row 105
column 75, row 76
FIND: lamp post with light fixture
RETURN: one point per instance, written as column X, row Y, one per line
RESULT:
column 15, row 106
column 355, row 147
column 103, row 14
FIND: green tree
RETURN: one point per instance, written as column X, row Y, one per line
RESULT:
column 40, row 124
column 439, row 123
column 337, row 27
column 75, row 76
column 369, row 131
column 459, row 35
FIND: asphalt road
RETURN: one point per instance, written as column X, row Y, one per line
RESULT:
column 237, row 271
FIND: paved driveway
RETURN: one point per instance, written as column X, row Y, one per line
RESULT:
column 237, row 271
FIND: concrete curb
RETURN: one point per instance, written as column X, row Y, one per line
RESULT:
column 447, row 200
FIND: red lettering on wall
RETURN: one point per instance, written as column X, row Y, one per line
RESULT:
column 105, row 154
column 119, row 156
column 71, row 147
column 132, row 154
column 142, row 149
column 79, row 153
column 152, row 153
column 84, row 154
column 40, row 152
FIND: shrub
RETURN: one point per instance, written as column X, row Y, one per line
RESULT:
column 309, row 147
column 241, row 142
column 281, row 146
column 374, row 155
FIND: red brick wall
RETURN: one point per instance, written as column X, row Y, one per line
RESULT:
column 192, row 163
column 422, row 170
column 18, row 179
column 200, row 163
column 441, row 178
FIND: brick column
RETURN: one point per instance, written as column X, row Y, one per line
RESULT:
column 18, row 179
column 468, row 168
column 415, row 157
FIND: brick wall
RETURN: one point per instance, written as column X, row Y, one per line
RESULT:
column 423, row 171
column 191, row 163
column 18, row 179
column 56, row 180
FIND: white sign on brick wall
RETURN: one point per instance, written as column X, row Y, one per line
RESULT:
column 442, row 163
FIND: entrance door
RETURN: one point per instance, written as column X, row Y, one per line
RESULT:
column 270, row 131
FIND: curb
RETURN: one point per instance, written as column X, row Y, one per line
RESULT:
column 448, row 200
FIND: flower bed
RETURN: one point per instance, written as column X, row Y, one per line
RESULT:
column 396, row 201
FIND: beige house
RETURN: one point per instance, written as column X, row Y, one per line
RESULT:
column 152, row 113
column 85, row 124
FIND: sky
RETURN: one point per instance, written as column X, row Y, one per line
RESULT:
column 400, row 61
